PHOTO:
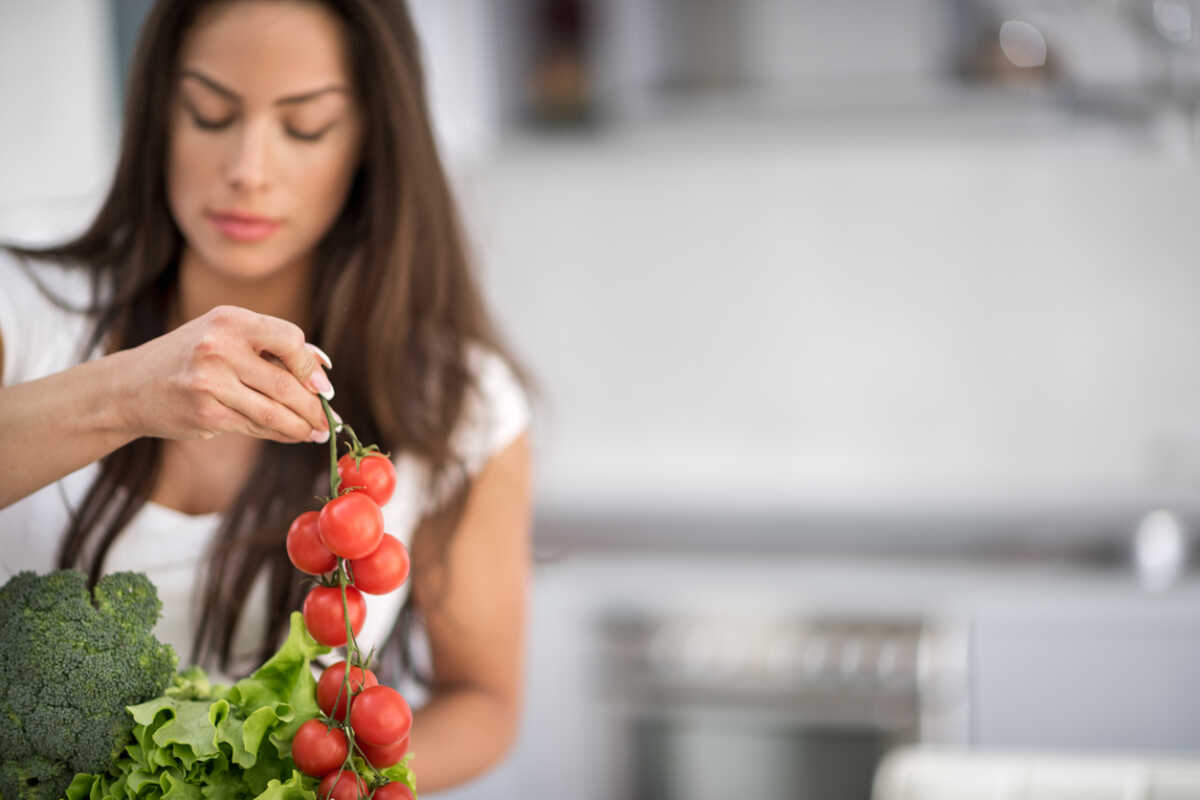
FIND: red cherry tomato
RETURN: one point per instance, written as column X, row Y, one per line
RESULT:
column 380, row 715
column 330, row 686
column 383, row 755
column 341, row 785
column 323, row 614
column 304, row 546
column 375, row 475
column 393, row 791
column 351, row 525
column 383, row 571
column 317, row 750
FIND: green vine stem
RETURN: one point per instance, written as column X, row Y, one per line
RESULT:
column 357, row 449
column 352, row 657
column 335, row 480
column 353, row 654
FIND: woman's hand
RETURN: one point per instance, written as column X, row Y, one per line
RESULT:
column 231, row 370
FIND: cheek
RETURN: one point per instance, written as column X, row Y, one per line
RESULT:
column 189, row 161
column 323, row 184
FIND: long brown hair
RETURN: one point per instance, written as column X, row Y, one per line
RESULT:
column 393, row 296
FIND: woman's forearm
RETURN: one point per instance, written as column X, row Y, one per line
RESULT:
column 57, row 424
column 458, row 735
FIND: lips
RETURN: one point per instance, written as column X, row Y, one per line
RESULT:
column 243, row 227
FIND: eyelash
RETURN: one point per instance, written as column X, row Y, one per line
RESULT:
column 209, row 125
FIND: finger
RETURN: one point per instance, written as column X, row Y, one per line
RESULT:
column 266, row 418
column 226, row 420
column 285, row 341
column 269, row 378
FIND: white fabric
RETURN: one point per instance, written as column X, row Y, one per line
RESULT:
column 41, row 339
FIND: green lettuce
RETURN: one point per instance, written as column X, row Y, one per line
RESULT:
column 202, row 741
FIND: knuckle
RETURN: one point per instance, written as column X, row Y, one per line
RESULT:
column 208, row 345
column 268, row 419
column 200, row 383
column 295, row 336
column 222, row 316
column 254, row 429
column 281, row 384
column 208, row 415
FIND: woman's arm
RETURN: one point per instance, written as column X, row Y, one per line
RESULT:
column 476, row 627
column 55, row 425
column 204, row 378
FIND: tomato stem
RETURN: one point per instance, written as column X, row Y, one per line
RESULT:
column 357, row 449
column 353, row 656
column 335, row 480
column 354, row 438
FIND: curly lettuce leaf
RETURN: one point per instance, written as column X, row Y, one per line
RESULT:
column 201, row 741
column 285, row 684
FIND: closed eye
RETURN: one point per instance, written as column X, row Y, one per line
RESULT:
column 211, row 124
column 309, row 137
column 205, row 124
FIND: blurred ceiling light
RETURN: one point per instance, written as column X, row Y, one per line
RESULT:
column 1173, row 20
column 1022, row 44
column 1159, row 549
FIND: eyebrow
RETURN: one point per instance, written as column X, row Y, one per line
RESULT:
column 289, row 100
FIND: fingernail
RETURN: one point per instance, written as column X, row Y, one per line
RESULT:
column 322, row 384
column 320, row 354
column 320, row 437
column 335, row 415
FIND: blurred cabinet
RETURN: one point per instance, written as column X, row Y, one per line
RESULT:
column 1086, row 679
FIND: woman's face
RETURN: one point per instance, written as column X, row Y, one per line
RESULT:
column 265, row 134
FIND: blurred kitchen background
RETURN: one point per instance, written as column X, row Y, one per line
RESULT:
column 870, row 340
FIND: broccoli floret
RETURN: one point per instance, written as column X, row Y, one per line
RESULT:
column 70, row 662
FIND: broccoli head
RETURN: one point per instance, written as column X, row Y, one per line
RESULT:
column 70, row 662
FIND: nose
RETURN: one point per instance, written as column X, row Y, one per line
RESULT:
column 249, row 165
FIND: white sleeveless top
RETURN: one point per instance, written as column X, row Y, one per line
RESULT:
column 41, row 339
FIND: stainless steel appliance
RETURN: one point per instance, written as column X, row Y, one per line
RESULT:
column 743, row 707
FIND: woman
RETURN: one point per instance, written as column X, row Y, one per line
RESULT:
column 278, row 196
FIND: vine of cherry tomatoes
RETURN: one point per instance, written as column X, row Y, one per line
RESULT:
column 344, row 544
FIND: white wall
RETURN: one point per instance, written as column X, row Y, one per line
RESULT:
column 59, row 137
column 762, row 319
column 459, row 41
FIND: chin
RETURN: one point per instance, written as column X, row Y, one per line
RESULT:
column 247, row 262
